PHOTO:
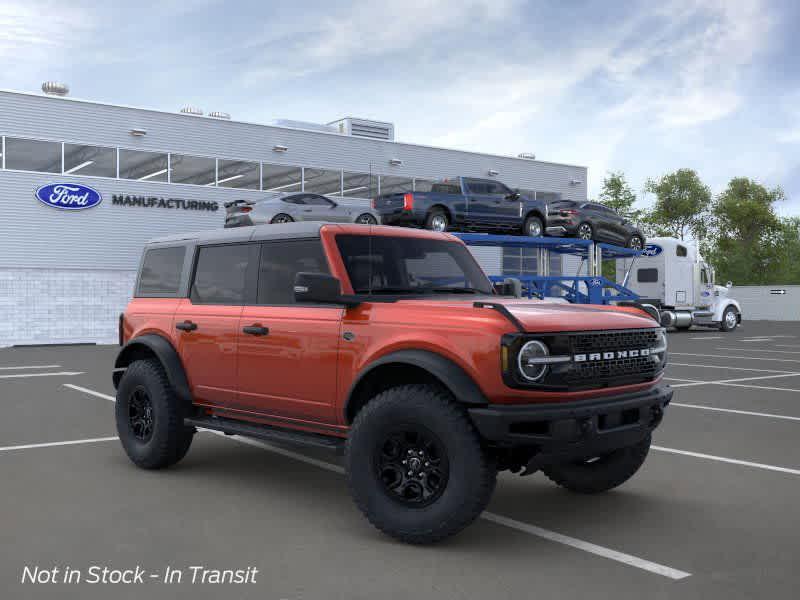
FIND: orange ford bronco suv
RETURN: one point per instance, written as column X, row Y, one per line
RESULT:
column 392, row 346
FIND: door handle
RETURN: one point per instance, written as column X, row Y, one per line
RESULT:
column 186, row 326
column 308, row 209
column 256, row 330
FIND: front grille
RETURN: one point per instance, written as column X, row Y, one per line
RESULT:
column 615, row 370
column 614, row 340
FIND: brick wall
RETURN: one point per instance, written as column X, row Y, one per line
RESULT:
column 57, row 306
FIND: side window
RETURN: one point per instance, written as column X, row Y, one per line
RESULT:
column 647, row 275
column 219, row 276
column 476, row 187
column 161, row 272
column 703, row 276
column 680, row 251
column 318, row 200
column 280, row 262
column 295, row 199
column 497, row 188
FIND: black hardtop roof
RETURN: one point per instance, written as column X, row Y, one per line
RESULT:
column 277, row 231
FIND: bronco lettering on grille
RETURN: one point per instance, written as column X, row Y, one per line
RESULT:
column 594, row 356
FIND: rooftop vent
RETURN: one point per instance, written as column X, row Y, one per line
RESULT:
column 527, row 155
column 192, row 110
column 219, row 115
column 54, row 88
column 376, row 130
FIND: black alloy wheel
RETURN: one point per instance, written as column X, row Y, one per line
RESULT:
column 412, row 465
column 585, row 231
column 282, row 218
column 140, row 414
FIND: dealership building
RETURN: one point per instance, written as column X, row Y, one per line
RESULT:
column 65, row 275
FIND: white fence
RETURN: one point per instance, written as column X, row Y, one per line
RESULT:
column 768, row 302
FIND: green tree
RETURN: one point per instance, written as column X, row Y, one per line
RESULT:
column 618, row 195
column 681, row 207
column 750, row 244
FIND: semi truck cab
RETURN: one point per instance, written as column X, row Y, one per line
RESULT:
column 672, row 275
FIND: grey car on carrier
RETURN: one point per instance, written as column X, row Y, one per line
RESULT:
column 287, row 207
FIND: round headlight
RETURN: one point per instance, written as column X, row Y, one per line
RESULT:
column 529, row 360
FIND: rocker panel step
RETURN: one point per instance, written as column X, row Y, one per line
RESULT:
column 267, row 433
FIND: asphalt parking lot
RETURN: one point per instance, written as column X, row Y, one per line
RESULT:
column 712, row 514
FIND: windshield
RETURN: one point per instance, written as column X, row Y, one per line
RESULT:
column 407, row 265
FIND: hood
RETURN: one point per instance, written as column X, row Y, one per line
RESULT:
column 542, row 316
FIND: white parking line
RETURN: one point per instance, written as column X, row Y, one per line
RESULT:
column 791, row 360
column 732, row 461
column 693, row 382
column 51, row 444
column 707, row 337
column 674, row 364
column 760, row 350
column 761, row 387
column 20, row 375
column 30, row 367
column 547, row 534
column 90, row 392
column 786, row 345
column 748, row 413
column 627, row 559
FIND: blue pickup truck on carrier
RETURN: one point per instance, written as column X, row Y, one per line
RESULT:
column 465, row 203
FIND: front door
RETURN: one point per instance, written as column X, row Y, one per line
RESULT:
column 320, row 208
column 287, row 353
column 489, row 206
column 207, row 323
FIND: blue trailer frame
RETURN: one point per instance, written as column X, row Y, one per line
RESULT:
column 579, row 289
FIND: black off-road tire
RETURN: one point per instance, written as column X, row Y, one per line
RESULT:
column 602, row 474
column 433, row 218
column 533, row 223
column 472, row 473
column 170, row 438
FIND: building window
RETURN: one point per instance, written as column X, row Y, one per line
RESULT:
column 396, row 185
column 195, row 170
column 144, row 166
column 280, row 178
column 33, row 155
column 238, row 174
column 90, row 160
column 359, row 185
column 323, row 181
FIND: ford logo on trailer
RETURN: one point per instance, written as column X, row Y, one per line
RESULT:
column 652, row 250
column 68, row 196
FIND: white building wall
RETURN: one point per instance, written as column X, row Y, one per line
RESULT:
column 759, row 303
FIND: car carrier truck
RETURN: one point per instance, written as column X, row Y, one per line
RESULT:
column 672, row 276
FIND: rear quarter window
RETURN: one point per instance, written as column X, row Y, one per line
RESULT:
column 160, row 275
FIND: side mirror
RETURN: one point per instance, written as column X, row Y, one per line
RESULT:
column 317, row 287
column 515, row 195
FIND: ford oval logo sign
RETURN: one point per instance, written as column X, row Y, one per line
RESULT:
column 68, row 196
column 652, row 250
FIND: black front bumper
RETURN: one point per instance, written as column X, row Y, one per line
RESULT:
column 575, row 429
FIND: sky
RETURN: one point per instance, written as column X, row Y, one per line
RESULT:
column 639, row 87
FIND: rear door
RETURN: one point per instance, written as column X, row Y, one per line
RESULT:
column 287, row 352
column 207, row 322
column 320, row 208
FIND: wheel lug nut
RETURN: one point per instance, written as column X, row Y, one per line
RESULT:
column 427, row 464
column 409, row 473
column 404, row 461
